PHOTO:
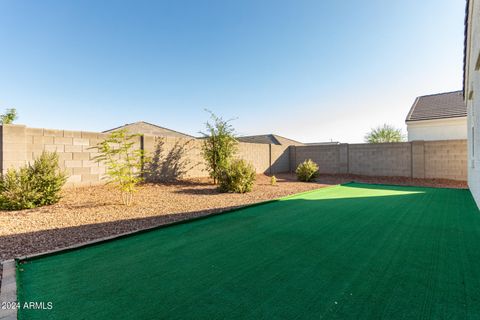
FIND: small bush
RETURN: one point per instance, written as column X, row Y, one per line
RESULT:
column 32, row 186
column 238, row 177
column 124, row 162
column 307, row 171
column 273, row 181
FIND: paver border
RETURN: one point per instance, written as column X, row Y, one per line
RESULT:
column 8, row 291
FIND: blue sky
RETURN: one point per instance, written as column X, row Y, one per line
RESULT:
column 310, row 70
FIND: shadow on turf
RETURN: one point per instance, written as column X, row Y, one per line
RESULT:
column 40, row 241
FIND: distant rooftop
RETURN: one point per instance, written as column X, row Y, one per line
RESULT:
column 270, row 139
column 143, row 127
column 438, row 106
column 328, row 143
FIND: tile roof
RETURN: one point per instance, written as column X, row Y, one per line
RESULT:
column 269, row 139
column 438, row 106
column 148, row 124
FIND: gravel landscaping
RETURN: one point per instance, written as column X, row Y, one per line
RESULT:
column 90, row 213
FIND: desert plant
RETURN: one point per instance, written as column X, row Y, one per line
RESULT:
column 385, row 133
column 48, row 178
column 238, row 176
column 9, row 116
column 33, row 185
column 219, row 145
column 307, row 171
column 273, row 180
column 124, row 162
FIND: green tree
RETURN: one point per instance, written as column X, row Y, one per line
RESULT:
column 385, row 133
column 124, row 162
column 9, row 116
column 219, row 145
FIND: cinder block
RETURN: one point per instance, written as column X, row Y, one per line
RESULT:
column 72, row 134
column 65, row 156
column 81, row 156
column 89, row 135
column 81, row 171
column 73, row 148
column 94, row 155
column 29, row 139
column 89, row 148
column 34, row 131
column 80, row 142
column 98, row 170
column 89, row 163
column 73, row 164
column 34, row 147
column 54, row 148
column 53, row 133
column 94, row 142
column 62, row 140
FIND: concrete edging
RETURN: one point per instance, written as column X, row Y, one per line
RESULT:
column 8, row 291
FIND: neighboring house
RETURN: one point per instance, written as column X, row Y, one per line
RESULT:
column 471, row 89
column 330, row 143
column 440, row 116
column 270, row 139
column 143, row 127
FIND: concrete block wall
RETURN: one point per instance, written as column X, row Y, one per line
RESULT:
column 446, row 159
column 75, row 150
column 182, row 158
column 327, row 157
column 177, row 157
column 386, row 159
column 280, row 159
column 186, row 156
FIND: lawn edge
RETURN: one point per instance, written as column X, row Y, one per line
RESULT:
column 402, row 185
column 8, row 290
column 99, row 241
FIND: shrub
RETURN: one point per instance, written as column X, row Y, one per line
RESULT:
column 124, row 162
column 219, row 146
column 238, row 176
column 307, row 171
column 273, row 181
column 34, row 185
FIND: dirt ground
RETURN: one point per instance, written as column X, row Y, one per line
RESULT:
column 90, row 213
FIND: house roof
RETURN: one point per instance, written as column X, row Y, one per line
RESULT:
column 147, row 124
column 438, row 106
column 328, row 143
column 269, row 139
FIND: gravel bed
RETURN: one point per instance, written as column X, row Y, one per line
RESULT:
column 90, row 213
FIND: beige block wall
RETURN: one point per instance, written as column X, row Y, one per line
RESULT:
column 75, row 150
column 178, row 158
column 385, row 159
column 327, row 157
column 446, row 159
column 280, row 159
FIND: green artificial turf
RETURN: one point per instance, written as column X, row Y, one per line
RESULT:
column 355, row 251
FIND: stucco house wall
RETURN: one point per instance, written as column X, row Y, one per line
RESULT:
column 472, row 95
column 439, row 129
